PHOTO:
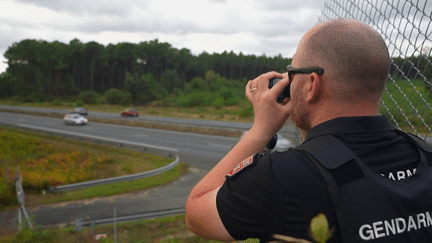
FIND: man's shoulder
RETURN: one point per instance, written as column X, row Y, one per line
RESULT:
column 293, row 166
column 276, row 166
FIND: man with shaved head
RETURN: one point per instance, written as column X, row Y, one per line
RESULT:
column 371, row 181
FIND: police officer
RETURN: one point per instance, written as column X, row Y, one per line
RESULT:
column 373, row 183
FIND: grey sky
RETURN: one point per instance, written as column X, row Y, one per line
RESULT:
column 269, row 27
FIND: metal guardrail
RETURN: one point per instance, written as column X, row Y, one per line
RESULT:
column 168, row 152
column 80, row 224
column 85, row 184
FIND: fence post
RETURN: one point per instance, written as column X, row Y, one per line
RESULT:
column 20, row 197
column 115, row 225
column 19, row 219
column 93, row 227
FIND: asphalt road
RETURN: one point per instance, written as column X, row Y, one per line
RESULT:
column 146, row 118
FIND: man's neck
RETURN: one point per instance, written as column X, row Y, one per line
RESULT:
column 332, row 111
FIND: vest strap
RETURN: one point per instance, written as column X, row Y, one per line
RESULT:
column 422, row 144
column 332, row 154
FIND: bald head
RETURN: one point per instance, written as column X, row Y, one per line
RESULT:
column 354, row 56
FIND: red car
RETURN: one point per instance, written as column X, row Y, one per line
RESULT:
column 130, row 112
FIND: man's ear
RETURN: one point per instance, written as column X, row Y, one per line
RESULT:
column 315, row 86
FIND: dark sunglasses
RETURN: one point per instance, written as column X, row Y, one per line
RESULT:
column 291, row 71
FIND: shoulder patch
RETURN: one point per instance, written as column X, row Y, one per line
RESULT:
column 241, row 166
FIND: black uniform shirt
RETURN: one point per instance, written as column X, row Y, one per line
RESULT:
column 281, row 192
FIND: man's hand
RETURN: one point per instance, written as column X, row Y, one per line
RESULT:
column 270, row 116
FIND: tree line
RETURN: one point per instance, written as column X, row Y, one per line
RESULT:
column 56, row 69
column 150, row 70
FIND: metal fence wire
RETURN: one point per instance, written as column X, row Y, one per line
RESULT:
column 406, row 27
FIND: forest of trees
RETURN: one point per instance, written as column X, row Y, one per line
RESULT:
column 54, row 69
column 150, row 70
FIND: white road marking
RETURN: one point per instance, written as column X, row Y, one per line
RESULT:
column 141, row 135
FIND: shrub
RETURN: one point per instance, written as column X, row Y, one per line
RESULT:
column 28, row 235
column 79, row 103
column 143, row 89
column 7, row 194
column 8, row 85
column 89, row 97
column 57, row 102
column 218, row 102
column 31, row 98
column 194, row 99
column 58, row 169
column 117, row 97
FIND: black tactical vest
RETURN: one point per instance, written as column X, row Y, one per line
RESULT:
column 368, row 206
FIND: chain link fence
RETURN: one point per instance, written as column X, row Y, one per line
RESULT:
column 406, row 27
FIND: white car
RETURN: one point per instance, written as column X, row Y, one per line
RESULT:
column 75, row 119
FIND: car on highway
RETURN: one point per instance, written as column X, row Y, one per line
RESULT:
column 130, row 112
column 75, row 119
column 80, row 110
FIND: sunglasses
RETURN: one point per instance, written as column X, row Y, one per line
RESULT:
column 292, row 71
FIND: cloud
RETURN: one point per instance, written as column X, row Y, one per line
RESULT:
column 250, row 26
column 86, row 7
column 179, row 17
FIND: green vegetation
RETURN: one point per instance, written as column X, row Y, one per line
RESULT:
column 50, row 161
column 167, row 229
column 117, row 97
column 162, row 230
column 399, row 100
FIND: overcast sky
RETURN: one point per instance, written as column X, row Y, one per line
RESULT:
column 269, row 27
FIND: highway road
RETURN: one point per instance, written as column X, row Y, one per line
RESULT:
column 201, row 151
column 152, row 119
